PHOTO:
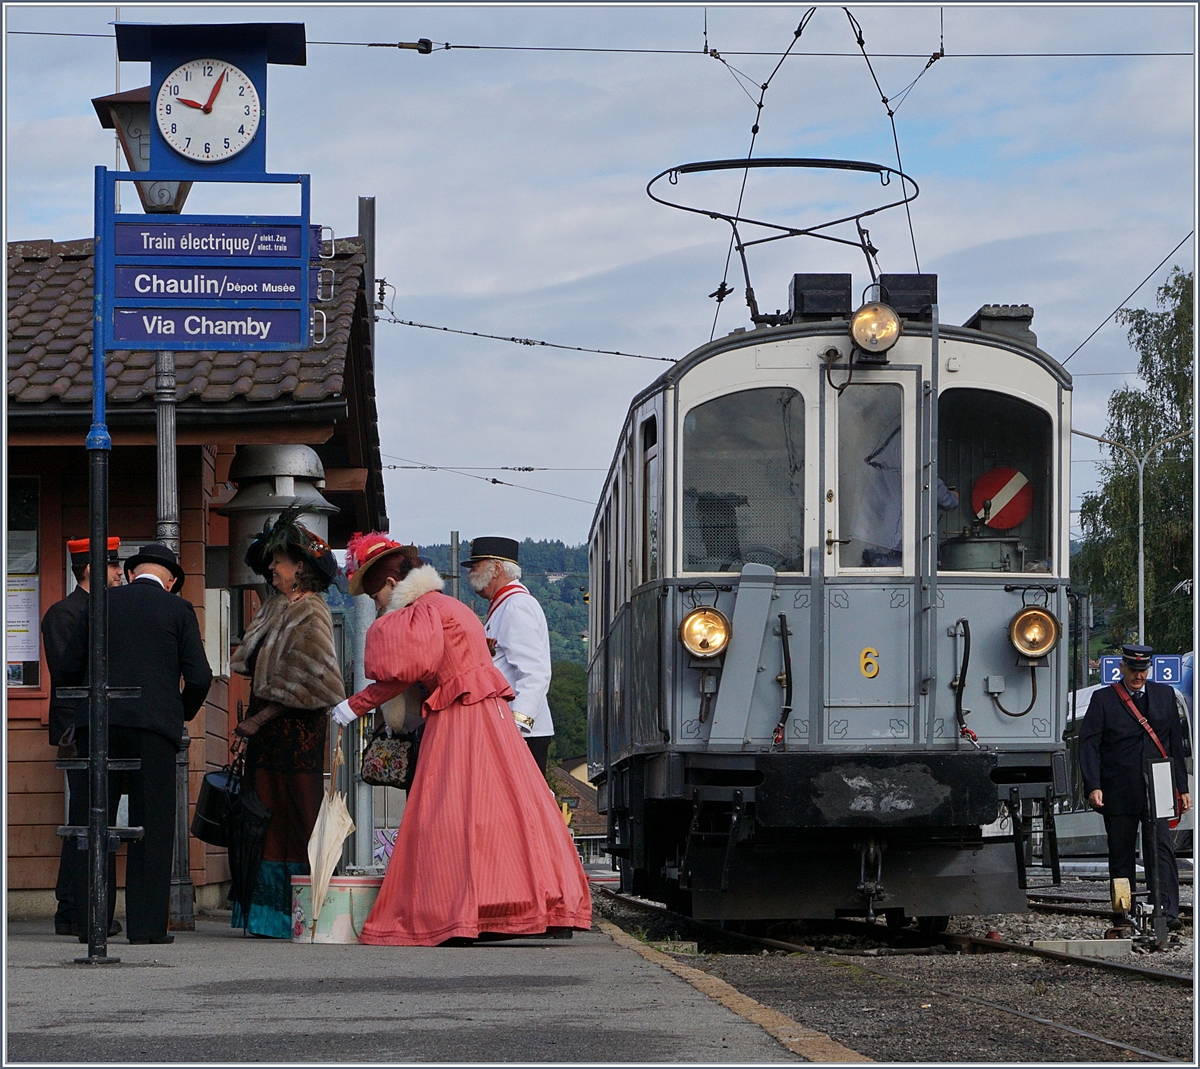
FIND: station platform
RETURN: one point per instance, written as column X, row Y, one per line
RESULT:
column 216, row 995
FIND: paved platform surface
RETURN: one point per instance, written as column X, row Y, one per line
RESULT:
column 215, row 995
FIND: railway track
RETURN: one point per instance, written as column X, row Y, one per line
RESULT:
column 1079, row 906
column 962, row 943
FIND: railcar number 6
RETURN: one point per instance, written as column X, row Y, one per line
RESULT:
column 868, row 663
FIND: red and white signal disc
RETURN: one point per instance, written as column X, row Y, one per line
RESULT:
column 1010, row 495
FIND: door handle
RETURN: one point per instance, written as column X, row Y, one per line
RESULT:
column 830, row 541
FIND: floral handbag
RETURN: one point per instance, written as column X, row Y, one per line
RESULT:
column 391, row 762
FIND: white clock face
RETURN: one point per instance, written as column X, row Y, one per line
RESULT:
column 207, row 110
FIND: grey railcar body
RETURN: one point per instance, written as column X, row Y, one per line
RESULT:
column 745, row 480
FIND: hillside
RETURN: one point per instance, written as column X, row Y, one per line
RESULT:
column 556, row 575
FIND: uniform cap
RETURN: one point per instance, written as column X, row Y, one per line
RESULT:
column 1137, row 656
column 81, row 551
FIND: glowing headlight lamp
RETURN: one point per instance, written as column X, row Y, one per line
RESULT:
column 875, row 328
column 1034, row 632
column 704, row 632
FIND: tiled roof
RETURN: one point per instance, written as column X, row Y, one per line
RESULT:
column 585, row 819
column 50, row 340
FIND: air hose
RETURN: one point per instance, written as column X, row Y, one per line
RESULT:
column 960, row 683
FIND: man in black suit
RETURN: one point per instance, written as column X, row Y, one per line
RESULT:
column 154, row 643
column 57, row 627
column 1113, row 751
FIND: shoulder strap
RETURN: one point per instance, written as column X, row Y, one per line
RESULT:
column 502, row 596
column 1123, row 694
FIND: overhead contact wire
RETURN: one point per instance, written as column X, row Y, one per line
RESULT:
column 723, row 290
column 495, row 482
column 891, row 113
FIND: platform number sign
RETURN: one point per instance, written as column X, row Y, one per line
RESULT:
column 1167, row 668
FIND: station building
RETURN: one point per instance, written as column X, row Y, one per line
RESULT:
column 323, row 398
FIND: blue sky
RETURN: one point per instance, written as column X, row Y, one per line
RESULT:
column 510, row 194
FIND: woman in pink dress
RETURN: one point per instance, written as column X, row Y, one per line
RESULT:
column 482, row 846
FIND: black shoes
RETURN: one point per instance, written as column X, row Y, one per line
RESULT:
column 1174, row 924
column 156, row 939
column 113, row 929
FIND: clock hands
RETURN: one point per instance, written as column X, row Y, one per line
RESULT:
column 206, row 108
column 215, row 90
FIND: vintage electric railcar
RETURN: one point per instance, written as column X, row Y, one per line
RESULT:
column 826, row 583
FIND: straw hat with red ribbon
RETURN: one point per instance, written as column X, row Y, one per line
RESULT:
column 364, row 551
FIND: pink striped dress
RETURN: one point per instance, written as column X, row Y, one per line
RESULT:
column 482, row 846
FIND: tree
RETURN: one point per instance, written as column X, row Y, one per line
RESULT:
column 568, row 705
column 1137, row 418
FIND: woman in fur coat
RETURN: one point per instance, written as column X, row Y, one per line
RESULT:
column 295, row 678
column 482, row 846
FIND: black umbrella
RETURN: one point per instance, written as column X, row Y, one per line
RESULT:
column 246, row 831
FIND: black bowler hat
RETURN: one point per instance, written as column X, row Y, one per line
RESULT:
column 492, row 549
column 1137, row 657
column 157, row 553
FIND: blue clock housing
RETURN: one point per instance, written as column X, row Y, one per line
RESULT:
column 249, row 46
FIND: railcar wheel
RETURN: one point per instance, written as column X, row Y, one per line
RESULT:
column 932, row 925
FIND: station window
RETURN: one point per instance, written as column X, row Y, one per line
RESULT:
column 743, row 481
column 995, row 456
column 870, row 476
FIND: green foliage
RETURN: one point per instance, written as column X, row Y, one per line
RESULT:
column 555, row 574
column 1138, row 417
column 568, row 706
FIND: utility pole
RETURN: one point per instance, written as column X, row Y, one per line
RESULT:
column 454, row 565
column 1141, row 470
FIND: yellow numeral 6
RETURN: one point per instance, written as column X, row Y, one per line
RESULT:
column 868, row 663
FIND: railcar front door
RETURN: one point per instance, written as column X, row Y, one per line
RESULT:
column 870, row 499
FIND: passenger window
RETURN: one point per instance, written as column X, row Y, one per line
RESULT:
column 994, row 467
column 651, row 488
column 870, row 476
column 743, row 482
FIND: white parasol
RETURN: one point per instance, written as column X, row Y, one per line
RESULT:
column 325, row 844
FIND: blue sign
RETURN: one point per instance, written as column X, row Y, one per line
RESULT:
column 219, row 283
column 210, row 327
column 191, row 240
column 1167, row 668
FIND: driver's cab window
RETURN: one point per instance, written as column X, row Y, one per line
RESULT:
column 743, row 482
column 994, row 468
column 870, row 476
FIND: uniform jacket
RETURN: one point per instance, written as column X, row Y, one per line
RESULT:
column 154, row 642
column 58, row 625
column 429, row 638
column 1113, row 747
column 520, row 643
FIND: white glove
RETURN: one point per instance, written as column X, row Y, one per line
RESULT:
column 343, row 714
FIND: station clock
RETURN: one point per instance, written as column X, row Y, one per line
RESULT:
column 207, row 110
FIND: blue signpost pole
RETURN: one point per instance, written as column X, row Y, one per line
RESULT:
column 99, row 445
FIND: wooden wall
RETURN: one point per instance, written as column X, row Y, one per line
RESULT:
column 35, row 787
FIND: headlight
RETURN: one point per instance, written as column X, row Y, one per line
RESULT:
column 875, row 328
column 1034, row 632
column 704, row 632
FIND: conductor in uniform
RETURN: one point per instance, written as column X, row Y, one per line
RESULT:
column 57, row 627
column 517, row 637
column 154, row 644
column 1113, row 749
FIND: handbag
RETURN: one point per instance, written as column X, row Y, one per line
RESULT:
column 218, row 791
column 1125, row 697
column 391, row 762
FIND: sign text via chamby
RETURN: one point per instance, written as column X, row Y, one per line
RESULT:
column 222, row 328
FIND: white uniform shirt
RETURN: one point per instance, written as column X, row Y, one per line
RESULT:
column 520, row 642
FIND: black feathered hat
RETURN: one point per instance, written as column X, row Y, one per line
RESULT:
column 297, row 542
